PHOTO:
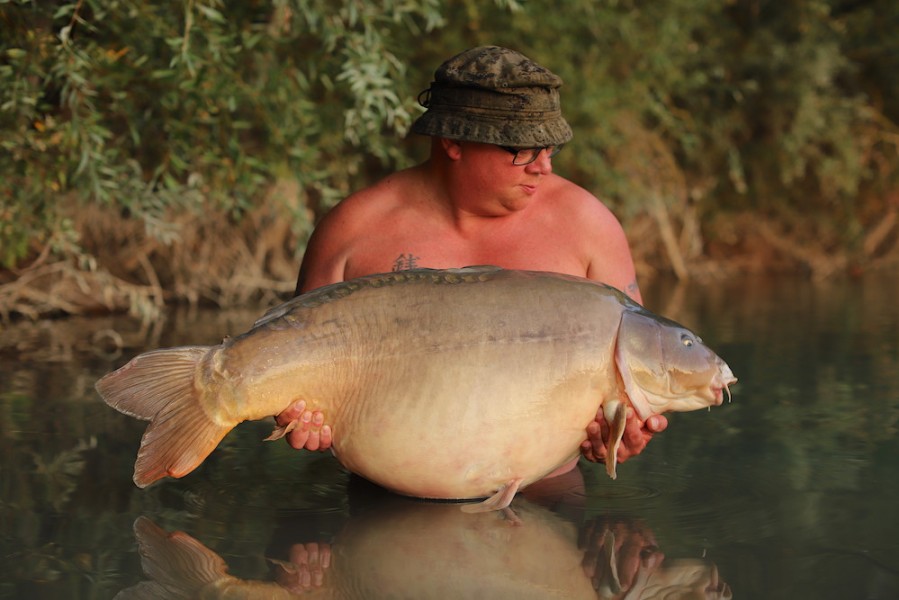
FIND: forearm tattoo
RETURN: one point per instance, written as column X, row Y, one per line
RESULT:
column 632, row 289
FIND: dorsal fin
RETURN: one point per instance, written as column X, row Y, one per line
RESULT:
column 334, row 291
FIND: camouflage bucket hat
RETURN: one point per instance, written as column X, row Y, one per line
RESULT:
column 496, row 96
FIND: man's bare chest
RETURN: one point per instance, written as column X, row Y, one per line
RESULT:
column 411, row 251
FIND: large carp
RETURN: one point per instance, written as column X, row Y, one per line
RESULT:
column 463, row 383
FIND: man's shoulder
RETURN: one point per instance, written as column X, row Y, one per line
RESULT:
column 375, row 208
column 382, row 196
column 576, row 201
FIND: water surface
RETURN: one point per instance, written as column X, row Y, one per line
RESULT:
column 787, row 492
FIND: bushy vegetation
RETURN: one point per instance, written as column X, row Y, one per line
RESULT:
column 128, row 127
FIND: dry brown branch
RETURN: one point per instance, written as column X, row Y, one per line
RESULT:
column 62, row 288
column 821, row 264
column 660, row 212
column 209, row 258
column 656, row 178
column 876, row 237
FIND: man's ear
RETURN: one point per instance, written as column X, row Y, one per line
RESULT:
column 452, row 148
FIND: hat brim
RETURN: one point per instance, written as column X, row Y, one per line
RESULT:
column 517, row 133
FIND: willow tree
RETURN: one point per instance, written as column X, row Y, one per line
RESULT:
column 126, row 125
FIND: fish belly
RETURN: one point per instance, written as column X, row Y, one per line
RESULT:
column 463, row 424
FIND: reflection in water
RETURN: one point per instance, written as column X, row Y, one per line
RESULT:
column 401, row 548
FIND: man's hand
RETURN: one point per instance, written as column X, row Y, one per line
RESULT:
column 310, row 432
column 636, row 435
column 306, row 569
column 619, row 554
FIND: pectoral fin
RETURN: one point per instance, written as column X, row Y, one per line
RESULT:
column 281, row 430
column 610, row 583
column 616, row 415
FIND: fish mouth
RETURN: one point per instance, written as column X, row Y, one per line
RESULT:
column 719, row 389
column 721, row 382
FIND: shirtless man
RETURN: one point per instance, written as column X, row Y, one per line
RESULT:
column 486, row 195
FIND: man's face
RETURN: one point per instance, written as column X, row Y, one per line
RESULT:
column 500, row 185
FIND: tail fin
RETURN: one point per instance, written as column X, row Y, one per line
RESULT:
column 177, row 564
column 161, row 387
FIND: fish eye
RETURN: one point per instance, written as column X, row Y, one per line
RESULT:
column 686, row 340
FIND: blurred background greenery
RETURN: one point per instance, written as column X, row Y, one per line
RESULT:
column 182, row 151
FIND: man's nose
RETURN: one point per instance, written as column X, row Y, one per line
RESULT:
column 542, row 165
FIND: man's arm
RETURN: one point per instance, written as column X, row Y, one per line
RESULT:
column 324, row 260
column 611, row 262
column 322, row 265
column 608, row 252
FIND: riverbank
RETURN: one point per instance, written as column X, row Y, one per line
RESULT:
column 118, row 265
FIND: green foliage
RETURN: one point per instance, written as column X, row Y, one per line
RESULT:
column 764, row 105
column 147, row 106
column 785, row 108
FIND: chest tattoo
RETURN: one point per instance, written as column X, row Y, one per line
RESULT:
column 405, row 262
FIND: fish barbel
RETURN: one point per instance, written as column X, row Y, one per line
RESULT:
column 429, row 379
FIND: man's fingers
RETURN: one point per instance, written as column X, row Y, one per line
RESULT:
column 657, row 423
column 634, row 436
column 588, row 452
column 310, row 432
column 590, row 446
column 594, row 433
column 298, row 438
column 291, row 413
